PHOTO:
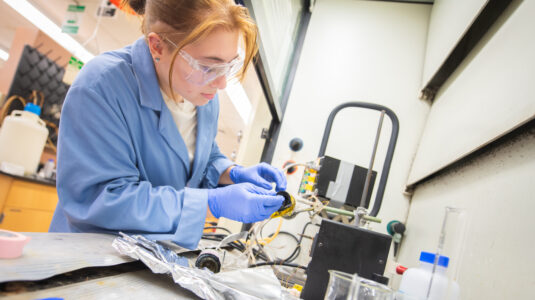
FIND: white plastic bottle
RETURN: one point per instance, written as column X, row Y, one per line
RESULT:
column 48, row 168
column 415, row 281
column 22, row 138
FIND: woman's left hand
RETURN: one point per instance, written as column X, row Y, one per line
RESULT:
column 261, row 175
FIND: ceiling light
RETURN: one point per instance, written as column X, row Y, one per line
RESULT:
column 4, row 55
column 46, row 25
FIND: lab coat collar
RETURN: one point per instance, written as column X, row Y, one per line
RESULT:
column 150, row 96
column 149, row 89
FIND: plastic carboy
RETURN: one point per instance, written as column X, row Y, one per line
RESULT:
column 23, row 137
column 416, row 281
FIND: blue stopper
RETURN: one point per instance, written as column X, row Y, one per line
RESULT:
column 36, row 109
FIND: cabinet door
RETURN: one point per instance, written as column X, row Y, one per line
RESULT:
column 26, row 220
column 30, row 195
column 5, row 185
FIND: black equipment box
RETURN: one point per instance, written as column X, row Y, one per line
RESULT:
column 344, row 248
column 343, row 183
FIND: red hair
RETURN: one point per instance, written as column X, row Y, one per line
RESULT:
column 194, row 20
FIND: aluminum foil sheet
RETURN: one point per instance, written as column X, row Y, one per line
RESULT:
column 247, row 283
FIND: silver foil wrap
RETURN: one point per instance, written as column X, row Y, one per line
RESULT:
column 247, row 283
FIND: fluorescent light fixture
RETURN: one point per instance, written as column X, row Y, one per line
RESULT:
column 46, row 25
column 4, row 55
column 240, row 100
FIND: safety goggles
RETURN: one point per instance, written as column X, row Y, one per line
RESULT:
column 202, row 74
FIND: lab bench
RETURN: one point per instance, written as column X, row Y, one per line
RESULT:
column 27, row 203
column 81, row 266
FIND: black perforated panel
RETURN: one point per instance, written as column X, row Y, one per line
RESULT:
column 35, row 71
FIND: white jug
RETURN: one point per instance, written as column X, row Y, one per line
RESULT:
column 23, row 137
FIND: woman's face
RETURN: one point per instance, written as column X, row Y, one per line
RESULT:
column 219, row 47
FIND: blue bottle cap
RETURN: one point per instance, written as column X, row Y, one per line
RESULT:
column 36, row 109
column 429, row 257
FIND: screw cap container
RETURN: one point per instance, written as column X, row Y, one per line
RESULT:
column 22, row 139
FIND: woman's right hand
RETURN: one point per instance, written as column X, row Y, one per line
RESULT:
column 243, row 202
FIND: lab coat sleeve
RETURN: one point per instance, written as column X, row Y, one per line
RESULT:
column 217, row 164
column 99, row 185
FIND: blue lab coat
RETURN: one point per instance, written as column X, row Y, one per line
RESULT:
column 122, row 163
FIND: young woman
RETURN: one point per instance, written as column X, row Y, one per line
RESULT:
column 137, row 150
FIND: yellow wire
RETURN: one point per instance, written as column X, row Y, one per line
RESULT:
column 268, row 240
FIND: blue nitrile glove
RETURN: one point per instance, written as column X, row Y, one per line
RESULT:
column 243, row 202
column 261, row 175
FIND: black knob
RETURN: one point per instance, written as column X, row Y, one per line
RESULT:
column 296, row 144
column 399, row 228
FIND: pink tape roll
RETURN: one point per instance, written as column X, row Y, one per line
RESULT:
column 12, row 243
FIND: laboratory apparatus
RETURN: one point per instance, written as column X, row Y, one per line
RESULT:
column 347, row 247
column 339, row 192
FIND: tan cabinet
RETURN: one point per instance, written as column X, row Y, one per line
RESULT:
column 25, row 205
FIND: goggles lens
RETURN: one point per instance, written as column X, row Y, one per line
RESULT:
column 202, row 74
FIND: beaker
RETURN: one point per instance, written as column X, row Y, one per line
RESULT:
column 402, row 296
column 344, row 286
column 339, row 285
column 364, row 289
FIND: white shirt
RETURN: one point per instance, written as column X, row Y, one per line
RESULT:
column 185, row 116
